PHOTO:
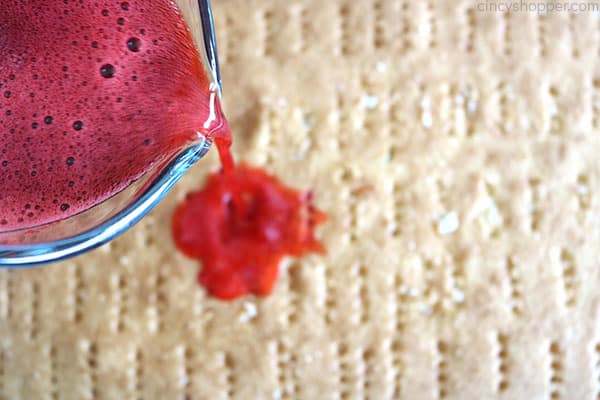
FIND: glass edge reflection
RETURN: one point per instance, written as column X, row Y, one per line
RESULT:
column 26, row 256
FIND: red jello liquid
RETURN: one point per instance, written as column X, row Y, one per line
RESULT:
column 92, row 95
column 241, row 225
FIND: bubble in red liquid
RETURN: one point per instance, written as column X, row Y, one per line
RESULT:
column 71, row 64
column 134, row 44
column 78, row 125
column 107, row 71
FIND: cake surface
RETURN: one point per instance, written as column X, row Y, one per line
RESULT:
column 455, row 151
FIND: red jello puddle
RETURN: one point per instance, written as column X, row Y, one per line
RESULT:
column 241, row 225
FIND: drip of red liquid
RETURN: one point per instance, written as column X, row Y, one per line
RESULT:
column 241, row 225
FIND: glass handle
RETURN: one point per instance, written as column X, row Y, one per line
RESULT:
column 210, row 42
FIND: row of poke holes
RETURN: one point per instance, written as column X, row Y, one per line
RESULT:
column 442, row 190
column 91, row 360
column 443, row 287
column 268, row 35
column 363, row 294
column 503, row 90
column 491, row 191
column 536, row 213
column 286, row 365
column 338, row 350
column 398, row 300
column 361, row 372
column 308, row 126
column 187, row 355
column 464, row 106
column 467, row 102
column 161, row 301
column 231, row 39
column 406, row 26
column 123, row 304
column 347, row 178
column 395, row 126
column 7, row 278
column 583, row 195
column 137, row 373
column 273, row 126
column 363, row 359
column 542, row 40
column 52, row 356
column 119, row 290
column 295, row 290
column 501, row 355
column 31, row 316
column 429, row 293
column 502, row 366
column 502, row 362
column 345, row 42
column 267, row 47
column 595, row 99
column 442, row 370
column 555, row 120
column 2, row 371
column 472, row 27
column 360, row 294
column 300, row 15
column 568, row 275
column 596, row 368
column 556, row 370
column 34, row 310
column 342, row 122
column 379, row 39
column 3, row 295
column 78, row 294
column 458, row 280
column 515, row 286
column 396, row 220
column 330, row 296
column 344, row 35
column 432, row 43
column 507, row 33
column 90, row 354
column 367, row 357
column 227, row 364
column 574, row 42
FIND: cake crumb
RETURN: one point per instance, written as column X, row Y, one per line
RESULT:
column 449, row 223
column 369, row 102
column 250, row 311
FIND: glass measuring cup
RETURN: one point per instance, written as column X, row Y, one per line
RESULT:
column 105, row 221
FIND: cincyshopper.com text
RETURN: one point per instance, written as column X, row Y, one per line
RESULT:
column 539, row 7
